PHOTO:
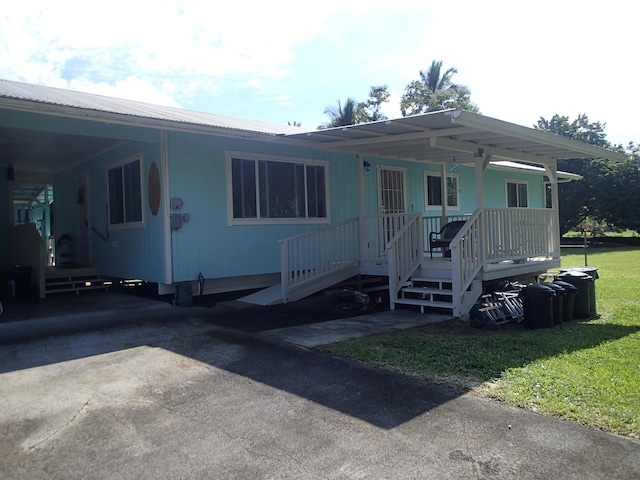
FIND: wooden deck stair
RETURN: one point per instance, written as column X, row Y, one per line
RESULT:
column 77, row 280
column 427, row 291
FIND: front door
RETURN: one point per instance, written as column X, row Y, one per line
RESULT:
column 391, row 195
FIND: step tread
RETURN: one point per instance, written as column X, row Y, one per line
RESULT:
column 424, row 303
column 434, row 291
column 432, row 279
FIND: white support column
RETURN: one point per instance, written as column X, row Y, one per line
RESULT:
column 443, row 189
column 166, row 211
column 361, row 207
column 552, row 173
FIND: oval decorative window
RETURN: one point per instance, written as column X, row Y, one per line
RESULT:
column 154, row 188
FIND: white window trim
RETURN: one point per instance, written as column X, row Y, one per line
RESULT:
column 506, row 191
column 431, row 173
column 120, row 163
column 231, row 221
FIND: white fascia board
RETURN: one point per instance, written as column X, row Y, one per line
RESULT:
column 581, row 149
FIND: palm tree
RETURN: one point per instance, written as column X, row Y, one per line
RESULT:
column 433, row 79
column 341, row 115
column 435, row 91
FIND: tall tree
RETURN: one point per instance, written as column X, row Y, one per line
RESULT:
column 434, row 91
column 352, row 111
column 608, row 191
column 341, row 115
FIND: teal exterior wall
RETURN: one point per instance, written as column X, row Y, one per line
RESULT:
column 196, row 172
column 207, row 244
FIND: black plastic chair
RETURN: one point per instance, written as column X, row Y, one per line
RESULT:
column 442, row 239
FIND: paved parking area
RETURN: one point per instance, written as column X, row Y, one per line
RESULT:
column 188, row 399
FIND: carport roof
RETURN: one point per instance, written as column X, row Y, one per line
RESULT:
column 453, row 136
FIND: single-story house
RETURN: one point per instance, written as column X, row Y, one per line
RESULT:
column 96, row 187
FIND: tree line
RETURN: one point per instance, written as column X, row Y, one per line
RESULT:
column 609, row 192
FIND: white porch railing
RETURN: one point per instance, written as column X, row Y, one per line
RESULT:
column 312, row 256
column 405, row 252
column 434, row 224
column 520, row 233
column 397, row 241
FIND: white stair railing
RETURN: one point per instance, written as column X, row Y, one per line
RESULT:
column 405, row 252
column 467, row 257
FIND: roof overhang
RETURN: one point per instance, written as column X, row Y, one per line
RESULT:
column 452, row 136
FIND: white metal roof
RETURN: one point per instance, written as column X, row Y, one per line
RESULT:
column 15, row 94
column 452, row 136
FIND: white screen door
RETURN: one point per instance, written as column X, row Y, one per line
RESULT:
column 391, row 190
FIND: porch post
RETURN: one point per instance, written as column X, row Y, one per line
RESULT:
column 361, row 208
column 552, row 173
column 443, row 189
column 483, row 240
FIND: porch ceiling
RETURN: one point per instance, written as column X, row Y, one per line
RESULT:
column 43, row 153
column 452, row 136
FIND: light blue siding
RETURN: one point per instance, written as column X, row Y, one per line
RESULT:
column 127, row 252
column 197, row 174
column 207, row 244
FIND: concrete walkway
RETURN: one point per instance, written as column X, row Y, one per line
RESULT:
column 168, row 393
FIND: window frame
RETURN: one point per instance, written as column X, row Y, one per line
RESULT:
column 509, row 181
column 258, row 220
column 431, row 173
column 138, row 157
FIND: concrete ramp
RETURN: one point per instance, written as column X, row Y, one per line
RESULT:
column 267, row 296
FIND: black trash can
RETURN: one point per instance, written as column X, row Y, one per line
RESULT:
column 569, row 300
column 558, row 302
column 22, row 281
column 537, row 304
column 584, row 285
column 593, row 273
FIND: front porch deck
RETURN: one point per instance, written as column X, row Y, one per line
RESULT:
column 493, row 244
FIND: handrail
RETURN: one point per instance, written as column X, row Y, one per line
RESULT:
column 303, row 260
column 467, row 256
column 405, row 252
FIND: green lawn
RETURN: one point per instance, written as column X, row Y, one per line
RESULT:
column 586, row 371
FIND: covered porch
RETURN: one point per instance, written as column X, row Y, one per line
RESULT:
column 493, row 243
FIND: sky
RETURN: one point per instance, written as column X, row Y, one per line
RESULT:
column 286, row 61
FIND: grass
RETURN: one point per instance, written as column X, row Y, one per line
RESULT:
column 584, row 371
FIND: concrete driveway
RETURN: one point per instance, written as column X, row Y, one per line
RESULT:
column 187, row 399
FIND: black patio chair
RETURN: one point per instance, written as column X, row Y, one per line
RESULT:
column 442, row 239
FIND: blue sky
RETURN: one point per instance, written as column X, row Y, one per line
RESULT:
column 288, row 60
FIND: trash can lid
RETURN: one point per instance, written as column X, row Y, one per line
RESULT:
column 576, row 276
column 568, row 287
column 537, row 290
column 592, row 271
column 559, row 289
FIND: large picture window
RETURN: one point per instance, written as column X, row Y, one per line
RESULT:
column 517, row 194
column 265, row 189
column 433, row 191
column 125, row 192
